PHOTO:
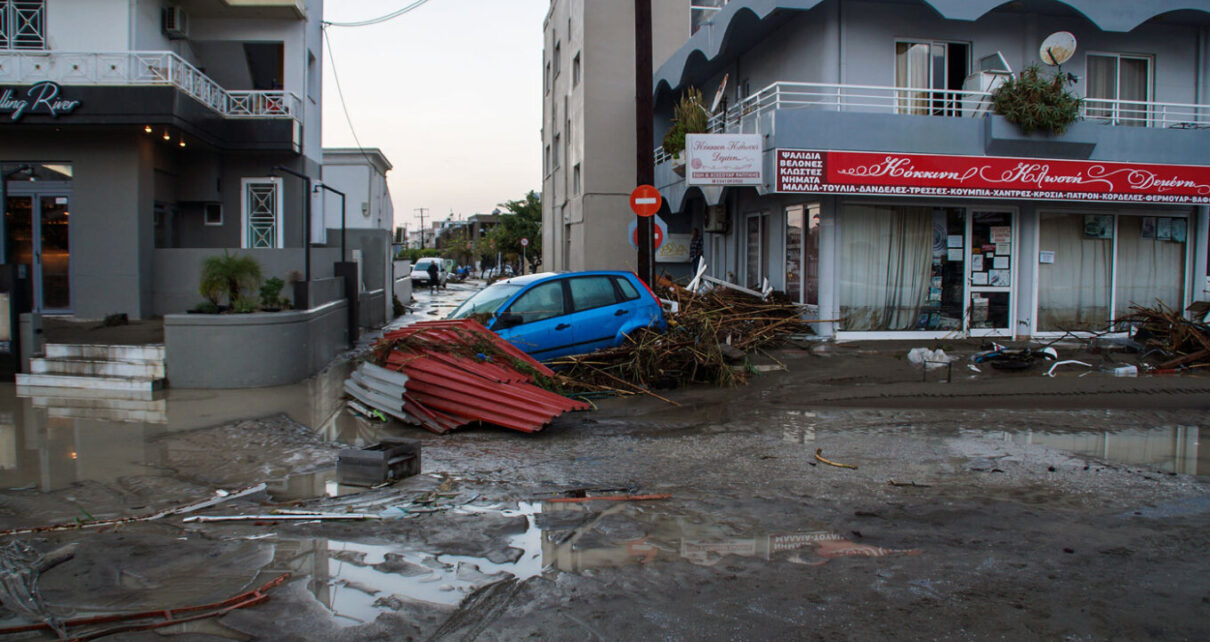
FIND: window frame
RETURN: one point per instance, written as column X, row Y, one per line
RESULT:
column 13, row 15
column 1114, row 114
column 613, row 286
column 279, row 236
column 561, row 283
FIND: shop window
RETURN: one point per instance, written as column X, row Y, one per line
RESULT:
column 23, row 24
column 262, row 213
column 926, row 74
column 1119, row 88
column 1151, row 262
column 802, row 253
column 885, row 265
column 756, row 250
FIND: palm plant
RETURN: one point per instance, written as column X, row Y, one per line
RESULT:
column 229, row 275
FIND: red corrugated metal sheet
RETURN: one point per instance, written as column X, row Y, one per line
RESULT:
column 451, row 382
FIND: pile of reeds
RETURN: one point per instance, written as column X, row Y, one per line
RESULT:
column 1179, row 341
column 707, row 337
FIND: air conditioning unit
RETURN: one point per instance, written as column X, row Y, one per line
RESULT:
column 175, row 22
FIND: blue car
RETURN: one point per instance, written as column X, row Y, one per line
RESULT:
column 551, row 315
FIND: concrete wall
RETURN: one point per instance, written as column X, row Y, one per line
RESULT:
column 403, row 282
column 252, row 350
column 177, row 272
column 376, row 260
column 372, row 312
column 88, row 25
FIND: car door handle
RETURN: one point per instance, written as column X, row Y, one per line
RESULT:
column 621, row 312
column 563, row 326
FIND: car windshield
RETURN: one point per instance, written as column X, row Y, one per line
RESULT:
column 486, row 301
column 422, row 264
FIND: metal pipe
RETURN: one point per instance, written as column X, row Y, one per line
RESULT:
column 342, row 216
column 306, row 220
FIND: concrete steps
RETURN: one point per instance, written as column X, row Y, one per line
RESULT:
column 121, row 369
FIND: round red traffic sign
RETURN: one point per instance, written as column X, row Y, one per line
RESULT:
column 524, row 242
column 657, row 237
column 645, row 200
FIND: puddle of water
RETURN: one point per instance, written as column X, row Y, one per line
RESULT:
column 1168, row 448
column 358, row 581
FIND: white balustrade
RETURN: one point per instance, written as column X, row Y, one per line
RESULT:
column 140, row 68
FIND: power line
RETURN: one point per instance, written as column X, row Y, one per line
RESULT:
column 344, row 107
column 373, row 21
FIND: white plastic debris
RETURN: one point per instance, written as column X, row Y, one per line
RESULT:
column 929, row 358
column 1051, row 372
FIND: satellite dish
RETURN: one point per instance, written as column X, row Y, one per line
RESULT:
column 1058, row 48
column 718, row 95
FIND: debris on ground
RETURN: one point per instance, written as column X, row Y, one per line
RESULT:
column 443, row 375
column 706, row 334
column 1163, row 333
column 389, row 460
column 928, row 358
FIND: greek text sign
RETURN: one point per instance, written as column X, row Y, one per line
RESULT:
column 723, row 159
column 925, row 175
column 43, row 98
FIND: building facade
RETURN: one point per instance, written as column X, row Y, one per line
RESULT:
column 363, row 230
column 588, row 125
column 876, row 187
column 135, row 133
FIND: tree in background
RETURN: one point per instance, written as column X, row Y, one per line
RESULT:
column 524, row 222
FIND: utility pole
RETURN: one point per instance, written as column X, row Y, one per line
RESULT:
column 644, row 136
column 421, row 210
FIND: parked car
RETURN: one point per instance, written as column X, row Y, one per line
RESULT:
column 420, row 271
column 551, row 315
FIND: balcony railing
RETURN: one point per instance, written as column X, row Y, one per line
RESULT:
column 744, row 117
column 144, row 68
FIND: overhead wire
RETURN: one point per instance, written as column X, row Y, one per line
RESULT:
column 343, row 106
column 380, row 19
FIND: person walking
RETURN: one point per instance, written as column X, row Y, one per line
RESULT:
column 433, row 280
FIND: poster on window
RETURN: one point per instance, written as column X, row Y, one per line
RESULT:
column 1098, row 226
column 1180, row 229
column 1163, row 229
column 1148, row 227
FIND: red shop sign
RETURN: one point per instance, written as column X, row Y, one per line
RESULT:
column 927, row 175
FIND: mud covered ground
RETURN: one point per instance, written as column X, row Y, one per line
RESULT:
column 980, row 509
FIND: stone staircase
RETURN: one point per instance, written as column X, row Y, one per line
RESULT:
column 129, row 371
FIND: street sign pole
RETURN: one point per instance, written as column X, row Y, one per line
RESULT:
column 644, row 136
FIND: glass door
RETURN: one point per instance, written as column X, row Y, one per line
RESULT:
column 990, row 271
column 39, row 240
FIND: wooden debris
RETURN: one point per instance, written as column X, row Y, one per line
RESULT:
column 819, row 457
column 1165, row 332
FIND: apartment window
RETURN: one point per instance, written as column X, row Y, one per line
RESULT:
column 546, row 78
column 546, row 161
column 555, row 158
column 558, row 59
column 925, row 75
column 575, row 179
column 262, row 213
column 1119, row 87
column 575, row 70
column 22, row 24
column 212, row 214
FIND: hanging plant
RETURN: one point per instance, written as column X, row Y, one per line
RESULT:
column 689, row 116
column 1036, row 101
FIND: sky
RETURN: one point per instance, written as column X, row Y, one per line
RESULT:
column 451, row 92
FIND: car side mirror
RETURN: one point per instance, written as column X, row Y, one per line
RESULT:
column 508, row 320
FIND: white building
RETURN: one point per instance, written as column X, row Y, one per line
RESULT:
column 361, row 175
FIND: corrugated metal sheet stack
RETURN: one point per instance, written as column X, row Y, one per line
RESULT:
column 443, row 375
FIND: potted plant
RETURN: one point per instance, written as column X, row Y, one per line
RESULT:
column 229, row 276
column 1034, row 101
column 270, row 295
column 689, row 116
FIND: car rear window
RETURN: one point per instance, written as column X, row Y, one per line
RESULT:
column 588, row 292
column 629, row 293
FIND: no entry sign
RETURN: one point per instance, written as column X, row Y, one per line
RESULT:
column 645, row 200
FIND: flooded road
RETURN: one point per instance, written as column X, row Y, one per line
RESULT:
column 939, row 523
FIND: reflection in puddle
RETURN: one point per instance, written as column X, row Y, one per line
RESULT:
column 1171, row 449
column 358, row 581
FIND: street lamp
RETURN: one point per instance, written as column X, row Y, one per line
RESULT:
column 4, row 207
column 306, row 222
column 341, row 194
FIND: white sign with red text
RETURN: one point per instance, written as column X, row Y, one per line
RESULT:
column 723, row 159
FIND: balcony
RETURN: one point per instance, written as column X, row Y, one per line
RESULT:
column 145, row 69
column 748, row 115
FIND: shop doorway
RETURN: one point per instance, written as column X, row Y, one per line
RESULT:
column 990, row 272
column 39, row 238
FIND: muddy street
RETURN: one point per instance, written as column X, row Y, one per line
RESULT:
column 843, row 498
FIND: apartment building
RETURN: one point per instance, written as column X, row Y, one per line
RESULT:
column 137, row 134
column 588, row 125
column 871, row 180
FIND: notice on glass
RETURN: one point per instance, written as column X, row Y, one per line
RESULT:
column 955, row 254
column 1000, row 263
column 1001, row 234
column 1046, row 256
column 976, row 263
column 954, row 240
column 1004, row 249
column 1001, row 278
column 979, row 278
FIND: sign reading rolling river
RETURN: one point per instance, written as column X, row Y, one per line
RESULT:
column 927, row 175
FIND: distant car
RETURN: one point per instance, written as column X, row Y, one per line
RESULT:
column 420, row 271
column 551, row 315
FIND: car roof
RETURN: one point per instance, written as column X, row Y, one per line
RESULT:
column 543, row 276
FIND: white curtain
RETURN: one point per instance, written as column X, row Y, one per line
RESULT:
column 885, row 260
column 1073, row 292
column 1148, row 269
column 912, row 62
column 1102, row 83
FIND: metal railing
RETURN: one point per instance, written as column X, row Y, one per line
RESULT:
column 144, row 68
column 744, row 117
